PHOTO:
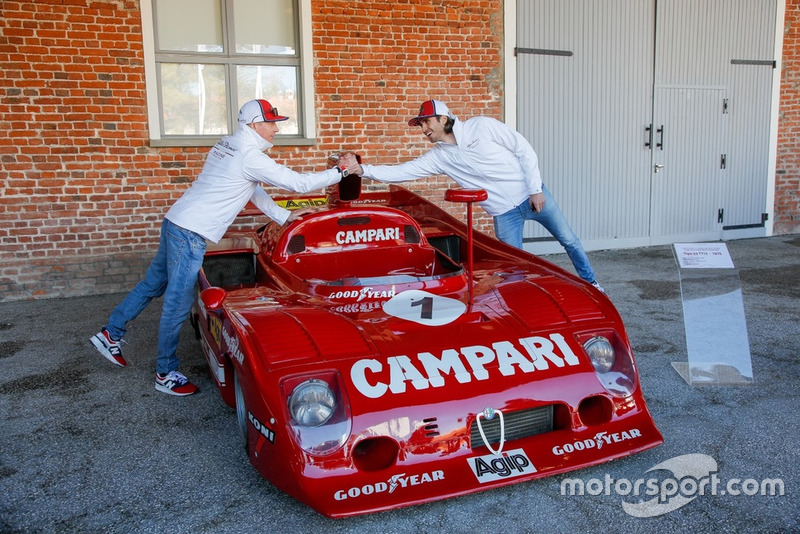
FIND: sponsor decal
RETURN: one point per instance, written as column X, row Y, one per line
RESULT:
column 367, row 236
column 263, row 429
column 217, row 370
column 510, row 464
column 393, row 483
column 215, row 328
column 363, row 293
column 298, row 203
column 600, row 439
column 375, row 378
column 361, row 307
column 369, row 201
column 233, row 346
column 222, row 150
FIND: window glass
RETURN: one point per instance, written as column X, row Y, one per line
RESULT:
column 189, row 25
column 264, row 27
column 194, row 101
column 276, row 84
column 211, row 56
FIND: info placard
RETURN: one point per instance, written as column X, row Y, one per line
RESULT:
column 718, row 351
column 703, row 256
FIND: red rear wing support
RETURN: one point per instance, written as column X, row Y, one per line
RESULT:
column 467, row 196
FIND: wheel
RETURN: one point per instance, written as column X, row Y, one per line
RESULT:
column 241, row 410
column 195, row 325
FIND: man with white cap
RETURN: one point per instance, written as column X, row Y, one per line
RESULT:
column 484, row 153
column 234, row 171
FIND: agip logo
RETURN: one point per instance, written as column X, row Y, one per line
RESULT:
column 509, row 464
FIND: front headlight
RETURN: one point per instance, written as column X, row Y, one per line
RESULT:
column 601, row 353
column 318, row 411
column 312, row 403
column 612, row 362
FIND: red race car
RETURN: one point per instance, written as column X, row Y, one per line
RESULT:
column 379, row 355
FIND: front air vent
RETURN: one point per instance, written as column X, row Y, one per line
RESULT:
column 353, row 221
column 296, row 244
column 518, row 425
column 410, row 234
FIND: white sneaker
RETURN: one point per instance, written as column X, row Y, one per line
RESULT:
column 598, row 286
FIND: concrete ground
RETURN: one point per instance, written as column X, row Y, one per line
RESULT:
column 86, row 446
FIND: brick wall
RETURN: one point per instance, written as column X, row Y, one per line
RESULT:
column 82, row 193
column 787, row 169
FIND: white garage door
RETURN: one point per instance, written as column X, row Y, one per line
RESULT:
column 651, row 119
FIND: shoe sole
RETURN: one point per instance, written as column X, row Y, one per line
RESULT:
column 101, row 348
column 164, row 389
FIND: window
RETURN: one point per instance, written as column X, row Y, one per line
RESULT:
column 205, row 58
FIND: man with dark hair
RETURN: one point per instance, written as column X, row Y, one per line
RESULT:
column 484, row 153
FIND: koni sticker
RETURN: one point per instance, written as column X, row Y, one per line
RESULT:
column 263, row 429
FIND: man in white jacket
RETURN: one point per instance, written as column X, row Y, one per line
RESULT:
column 484, row 153
column 233, row 174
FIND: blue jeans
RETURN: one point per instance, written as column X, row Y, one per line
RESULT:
column 508, row 229
column 173, row 274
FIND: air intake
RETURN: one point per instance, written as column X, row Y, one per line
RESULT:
column 518, row 425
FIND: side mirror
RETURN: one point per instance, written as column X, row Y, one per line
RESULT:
column 213, row 297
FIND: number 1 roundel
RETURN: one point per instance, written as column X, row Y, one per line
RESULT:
column 424, row 308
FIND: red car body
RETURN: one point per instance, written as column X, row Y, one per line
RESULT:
column 371, row 368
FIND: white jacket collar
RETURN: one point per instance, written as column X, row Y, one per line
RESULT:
column 252, row 136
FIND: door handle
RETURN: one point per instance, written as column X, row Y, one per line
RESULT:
column 660, row 132
column 658, row 167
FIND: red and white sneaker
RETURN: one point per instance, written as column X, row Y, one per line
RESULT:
column 110, row 348
column 174, row 383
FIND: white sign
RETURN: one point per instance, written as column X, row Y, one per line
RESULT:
column 703, row 256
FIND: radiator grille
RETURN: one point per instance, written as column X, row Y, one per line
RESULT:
column 518, row 425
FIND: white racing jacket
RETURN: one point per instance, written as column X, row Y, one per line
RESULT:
column 233, row 173
column 488, row 155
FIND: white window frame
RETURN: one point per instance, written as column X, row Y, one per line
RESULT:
column 308, row 116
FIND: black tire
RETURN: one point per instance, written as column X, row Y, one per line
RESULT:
column 195, row 325
column 241, row 410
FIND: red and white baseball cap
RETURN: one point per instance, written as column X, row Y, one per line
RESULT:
column 431, row 108
column 259, row 110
